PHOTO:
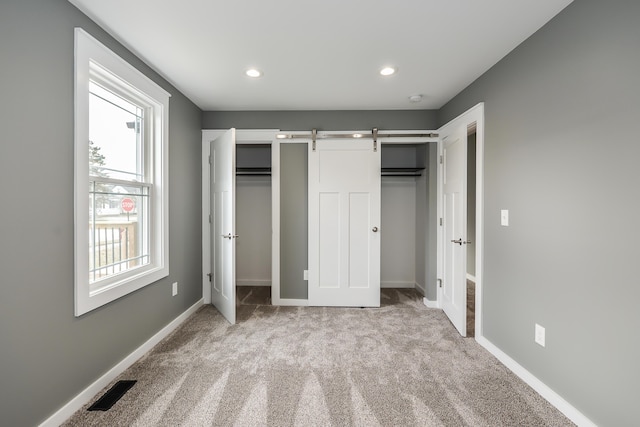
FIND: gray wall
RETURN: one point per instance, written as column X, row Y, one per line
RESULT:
column 294, row 223
column 561, row 153
column 48, row 356
column 321, row 120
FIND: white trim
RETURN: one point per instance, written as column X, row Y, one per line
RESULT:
column 430, row 304
column 471, row 277
column 398, row 285
column 421, row 288
column 541, row 388
column 89, row 393
column 250, row 282
column 290, row 302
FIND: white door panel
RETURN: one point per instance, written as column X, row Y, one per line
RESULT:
column 454, row 298
column 344, row 211
column 223, row 263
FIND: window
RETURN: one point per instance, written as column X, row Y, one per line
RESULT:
column 121, row 232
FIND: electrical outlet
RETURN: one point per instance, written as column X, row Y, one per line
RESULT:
column 539, row 336
column 174, row 290
column 305, row 275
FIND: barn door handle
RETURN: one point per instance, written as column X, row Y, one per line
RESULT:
column 459, row 241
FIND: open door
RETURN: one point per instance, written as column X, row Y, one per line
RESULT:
column 454, row 203
column 344, row 222
column 223, row 224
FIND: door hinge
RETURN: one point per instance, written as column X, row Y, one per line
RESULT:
column 441, row 222
column 209, row 275
column 441, row 159
column 209, row 218
column 209, row 159
column 439, row 283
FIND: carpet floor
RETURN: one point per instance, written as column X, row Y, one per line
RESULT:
column 402, row 364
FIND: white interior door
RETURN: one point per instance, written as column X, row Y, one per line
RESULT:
column 454, row 286
column 344, row 222
column 223, row 227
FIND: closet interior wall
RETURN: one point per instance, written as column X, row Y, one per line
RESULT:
column 253, row 215
column 404, row 216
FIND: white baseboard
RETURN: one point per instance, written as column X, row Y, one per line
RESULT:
column 543, row 390
column 290, row 302
column 430, row 304
column 87, row 394
column 240, row 282
column 471, row 277
column 398, row 285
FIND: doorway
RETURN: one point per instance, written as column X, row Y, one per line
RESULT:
column 460, row 234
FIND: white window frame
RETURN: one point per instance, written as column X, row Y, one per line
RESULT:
column 92, row 58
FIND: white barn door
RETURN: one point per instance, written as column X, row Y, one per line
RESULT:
column 223, row 224
column 344, row 221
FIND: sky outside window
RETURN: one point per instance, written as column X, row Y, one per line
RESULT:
column 112, row 128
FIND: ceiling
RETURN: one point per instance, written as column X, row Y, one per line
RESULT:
column 322, row 54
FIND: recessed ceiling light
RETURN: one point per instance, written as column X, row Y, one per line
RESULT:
column 252, row 72
column 387, row 71
column 415, row 98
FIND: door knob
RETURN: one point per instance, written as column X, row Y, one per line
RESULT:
column 459, row 241
column 374, row 229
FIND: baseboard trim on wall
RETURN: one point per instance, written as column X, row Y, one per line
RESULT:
column 290, row 302
column 87, row 394
column 430, row 304
column 471, row 277
column 398, row 285
column 253, row 282
column 541, row 388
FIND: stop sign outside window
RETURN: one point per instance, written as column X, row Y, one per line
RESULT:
column 127, row 204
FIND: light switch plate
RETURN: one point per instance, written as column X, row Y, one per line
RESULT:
column 540, row 335
column 504, row 217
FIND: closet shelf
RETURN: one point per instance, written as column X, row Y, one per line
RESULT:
column 253, row 171
column 402, row 171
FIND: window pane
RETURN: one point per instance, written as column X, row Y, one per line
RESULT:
column 115, row 136
column 118, row 229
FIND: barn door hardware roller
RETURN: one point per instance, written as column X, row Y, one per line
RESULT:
column 374, row 132
column 314, row 135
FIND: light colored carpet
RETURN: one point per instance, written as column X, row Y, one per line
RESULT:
column 399, row 365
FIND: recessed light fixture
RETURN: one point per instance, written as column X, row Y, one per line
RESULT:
column 415, row 98
column 253, row 72
column 387, row 71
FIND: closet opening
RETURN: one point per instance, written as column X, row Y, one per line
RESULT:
column 253, row 226
column 408, row 203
